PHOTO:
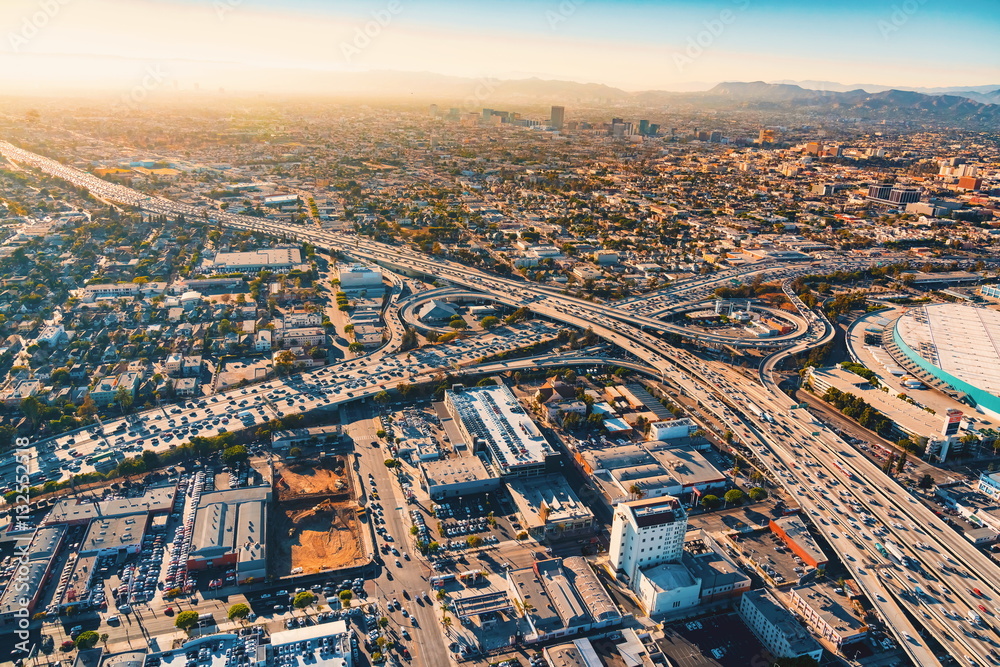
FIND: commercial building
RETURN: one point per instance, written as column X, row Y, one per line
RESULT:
column 793, row 532
column 561, row 597
column 315, row 436
column 645, row 533
column 989, row 485
column 355, row 277
column 673, row 429
column 450, row 478
column 23, row 590
column 777, row 629
column 155, row 501
column 955, row 344
column 492, row 421
column 320, row 645
column 654, row 468
column 276, row 260
column 112, row 535
column 549, row 507
column 230, row 528
column 557, row 117
column 831, row 616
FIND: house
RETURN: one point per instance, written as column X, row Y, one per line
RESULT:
column 262, row 340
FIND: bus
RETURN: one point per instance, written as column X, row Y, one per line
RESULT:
column 843, row 468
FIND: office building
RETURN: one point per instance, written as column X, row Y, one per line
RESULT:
column 549, row 508
column 558, row 117
column 645, row 533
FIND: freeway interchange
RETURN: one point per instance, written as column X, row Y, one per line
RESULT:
column 949, row 588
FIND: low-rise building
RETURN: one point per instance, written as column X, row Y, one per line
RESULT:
column 549, row 507
column 316, row 436
column 831, row 616
column 776, row 629
column 23, row 590
column 561, row 597
column 451, row 478
column 794, row 533
column 230, row 530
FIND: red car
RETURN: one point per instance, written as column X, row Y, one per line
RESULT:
column 406, row 653
column 982, row 608
column 169, row 611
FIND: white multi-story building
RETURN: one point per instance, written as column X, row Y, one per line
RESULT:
column 776, row 628
column 645, row 533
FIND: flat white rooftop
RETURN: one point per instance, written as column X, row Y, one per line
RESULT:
column 961, row 340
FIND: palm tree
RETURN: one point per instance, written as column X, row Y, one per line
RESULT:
column 636, row 491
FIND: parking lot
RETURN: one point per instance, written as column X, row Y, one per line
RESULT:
column 720, row 641
column 769, row 553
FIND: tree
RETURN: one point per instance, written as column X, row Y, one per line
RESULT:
column 382, row 397
column 123, row 397
column 186, row 620
column 151, row 459
column 31, row 408
column 104, row 639
column 710, row 502
column 458, row 323
column 345, row 598
column 636, row 491
column 489, row 322
column 733, row 497
column 235, row 454
column 238, row 611
column 295, row 452
column 474, row 541
column 356, row 347
column 304, row 599
column 87, row 639
column 757, row 493
column 926, row 482
column 383, row 622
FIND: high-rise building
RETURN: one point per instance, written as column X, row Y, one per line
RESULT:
column 901, row 195
column 558, row 117
column 643, row 127
column 765, row 136
column 645, row 533
column 435, row 111
column 715, row 137
column 879, row 191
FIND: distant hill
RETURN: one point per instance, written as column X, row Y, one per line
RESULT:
column 898, row 104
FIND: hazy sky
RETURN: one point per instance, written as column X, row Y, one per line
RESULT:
column 631, row 44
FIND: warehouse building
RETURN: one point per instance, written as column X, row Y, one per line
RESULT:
column 230, row 529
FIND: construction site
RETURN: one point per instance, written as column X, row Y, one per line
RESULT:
column 316, row 527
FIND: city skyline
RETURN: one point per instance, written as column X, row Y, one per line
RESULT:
column 254, row 44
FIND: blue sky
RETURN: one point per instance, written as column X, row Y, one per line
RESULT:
column 632, row 44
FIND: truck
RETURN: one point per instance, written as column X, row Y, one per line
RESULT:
column 894, row 552
column 882, row 550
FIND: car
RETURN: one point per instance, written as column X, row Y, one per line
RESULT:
column 405, row 634
column 399, row 563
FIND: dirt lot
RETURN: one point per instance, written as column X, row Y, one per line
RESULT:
column 324, row 536
column 300, row 480
column 318, row 526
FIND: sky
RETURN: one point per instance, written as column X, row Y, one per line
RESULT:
column 129, row 45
